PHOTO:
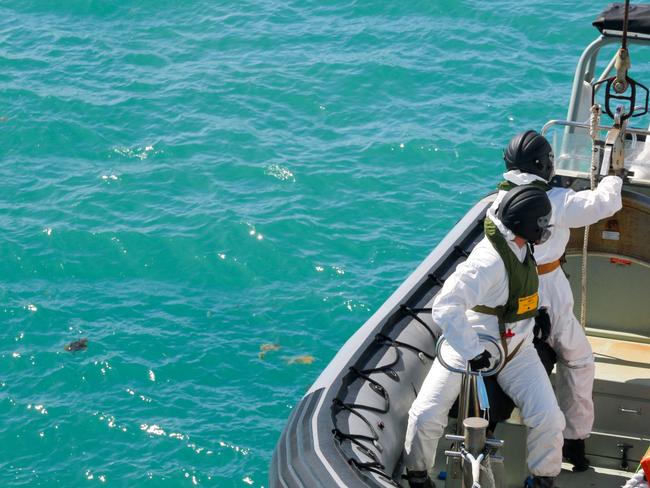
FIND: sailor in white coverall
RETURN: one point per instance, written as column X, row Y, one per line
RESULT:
column 483, row 280
column 529, row 159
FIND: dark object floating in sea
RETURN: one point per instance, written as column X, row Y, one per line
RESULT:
column 79, row 345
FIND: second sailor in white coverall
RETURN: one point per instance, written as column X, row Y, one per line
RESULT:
column 529, row 159
column 499, row 274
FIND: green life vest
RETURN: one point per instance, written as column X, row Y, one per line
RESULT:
column 506, row 185
column 523, row 285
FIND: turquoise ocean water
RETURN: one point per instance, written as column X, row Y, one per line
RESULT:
column 184, row 182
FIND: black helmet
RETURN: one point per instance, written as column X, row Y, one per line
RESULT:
column 530, row 152
column 526, row 211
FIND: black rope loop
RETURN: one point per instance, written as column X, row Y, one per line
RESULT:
column 376, row 387
column 385, row 367
column 421, row 310
column 356, row 440
column 350, row 407
column 407, row 346
column 461, row 251
column 374, row 469
column 436, row 279
column 415, row 316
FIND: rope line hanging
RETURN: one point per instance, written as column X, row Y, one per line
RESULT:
column 615, row 137
column 594, row 122
column 623, row 63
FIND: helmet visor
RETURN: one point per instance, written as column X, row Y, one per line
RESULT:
column 543, row 223
column 551, row 171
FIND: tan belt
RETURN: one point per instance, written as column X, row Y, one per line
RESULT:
column 548, row 267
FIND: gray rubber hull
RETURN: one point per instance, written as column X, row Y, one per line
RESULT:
column 348, row 430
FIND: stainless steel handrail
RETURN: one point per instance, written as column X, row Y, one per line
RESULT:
column 587, row 64
column 489, row 372
column 584, row 125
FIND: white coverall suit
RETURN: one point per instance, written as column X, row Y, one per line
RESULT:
column 482, row 280
column 575, row 368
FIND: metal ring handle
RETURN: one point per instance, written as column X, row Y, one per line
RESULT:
column 488, row 372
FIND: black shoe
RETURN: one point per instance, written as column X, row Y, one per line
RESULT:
column 419, row 479
column 542, row 482
column 574, row 452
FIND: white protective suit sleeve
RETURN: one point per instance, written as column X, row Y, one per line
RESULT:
column 587, row 207
column 518, row 178
column 472, row 283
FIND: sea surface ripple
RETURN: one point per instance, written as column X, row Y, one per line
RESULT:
column 183, row 183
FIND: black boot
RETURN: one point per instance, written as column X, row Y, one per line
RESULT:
column 574, row 452
column 419, row 479
column 543, row 482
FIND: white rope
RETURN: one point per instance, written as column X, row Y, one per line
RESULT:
column 488, row 474
column 479, row 464
column 475, row 463
column 594, row 122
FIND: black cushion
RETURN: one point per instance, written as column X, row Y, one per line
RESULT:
column 611, row 19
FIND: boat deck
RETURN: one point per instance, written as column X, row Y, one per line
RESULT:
column 622, row 402
column 596, row 477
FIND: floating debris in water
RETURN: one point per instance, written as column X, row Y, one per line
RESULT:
column 79, row 345
column 264, row 348
column 305, row 359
